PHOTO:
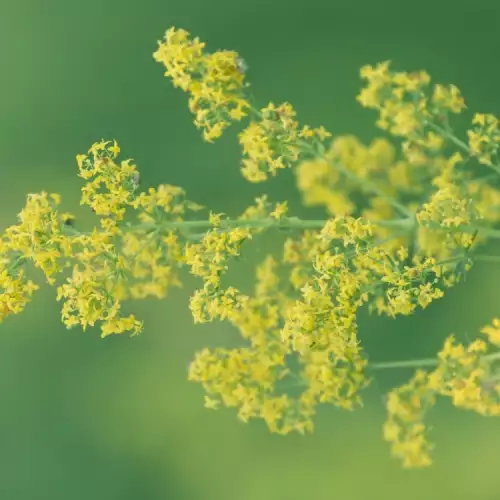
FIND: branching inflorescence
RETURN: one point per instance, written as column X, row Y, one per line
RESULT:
column 404, row 220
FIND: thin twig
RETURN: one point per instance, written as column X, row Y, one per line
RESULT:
column 418, row 363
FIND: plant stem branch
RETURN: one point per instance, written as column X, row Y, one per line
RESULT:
column 486, row 258
column 459, row 143
column 264, row 223
column 418, row 363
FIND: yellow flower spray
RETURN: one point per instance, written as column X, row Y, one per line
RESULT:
column 404, row 221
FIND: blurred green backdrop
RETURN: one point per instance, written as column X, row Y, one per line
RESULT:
column 116, row 419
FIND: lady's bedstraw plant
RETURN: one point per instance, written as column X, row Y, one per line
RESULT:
column 403, row 223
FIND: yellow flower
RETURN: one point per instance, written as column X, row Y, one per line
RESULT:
column 280, row 211
column 493, row 331
column 114, row 149
column 214, row 81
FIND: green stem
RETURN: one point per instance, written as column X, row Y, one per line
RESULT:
column 447, row 135
column 418, row 363
column 405, row 224
column 471, row 228
column 459, row 143
column 411, row 363
column 264, row 223
column 486, row 258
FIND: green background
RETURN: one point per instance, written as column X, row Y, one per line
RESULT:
column 83, row 418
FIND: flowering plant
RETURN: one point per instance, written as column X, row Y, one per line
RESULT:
column 404, row 221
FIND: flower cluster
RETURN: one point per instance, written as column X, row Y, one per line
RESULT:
column 260, row 379
column 351, row 178
column 464, row 374
column 208, row 259
column 15, row 291
column 39, row 237
column 484, row 139
column 215, row 82
column 403, row 221
column 404, row 428
column 275, row 142
column 110, row 187
column 252, row 378
column 404, row 104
